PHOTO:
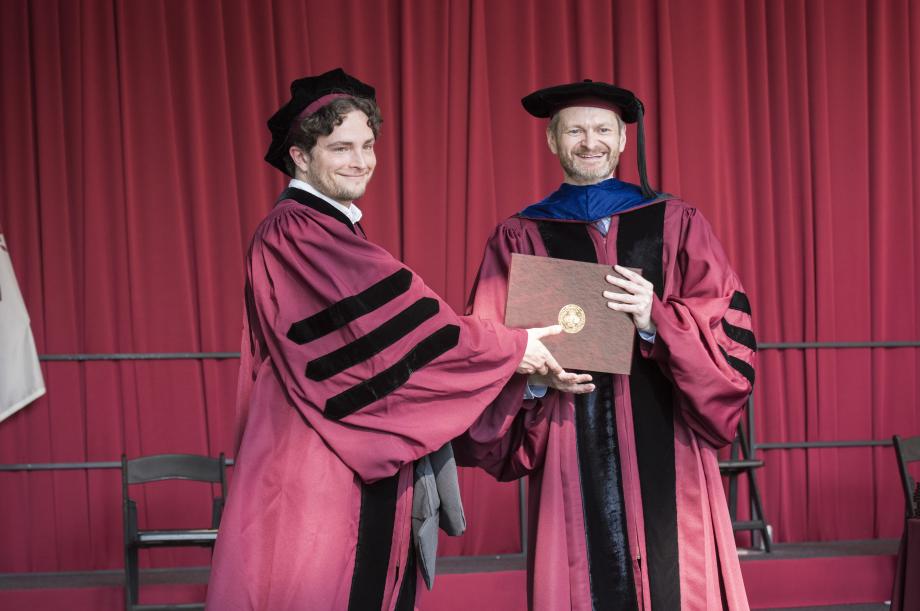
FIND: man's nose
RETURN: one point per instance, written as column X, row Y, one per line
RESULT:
column 358, row 159
column 590, row 139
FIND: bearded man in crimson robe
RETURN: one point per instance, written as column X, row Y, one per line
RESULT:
column 354, row 377
column 627, row 509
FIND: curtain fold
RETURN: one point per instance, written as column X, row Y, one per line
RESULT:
column 131, row 177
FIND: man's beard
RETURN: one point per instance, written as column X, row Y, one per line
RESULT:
column 588, row 176
column 339, row 191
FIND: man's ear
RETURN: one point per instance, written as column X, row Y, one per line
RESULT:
column 300, row 158
column 551, row 140
column 622, row 137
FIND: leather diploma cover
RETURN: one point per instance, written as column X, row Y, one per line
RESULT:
column 543, row 291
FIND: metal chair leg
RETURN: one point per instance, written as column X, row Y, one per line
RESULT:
column 132, row 577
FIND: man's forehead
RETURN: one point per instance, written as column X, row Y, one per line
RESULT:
column 353, row 127
column 587, row 114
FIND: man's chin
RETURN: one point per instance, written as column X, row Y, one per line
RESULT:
column 587, row 178
column 347, row 195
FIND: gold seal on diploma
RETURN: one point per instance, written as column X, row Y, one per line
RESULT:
column 572, row 318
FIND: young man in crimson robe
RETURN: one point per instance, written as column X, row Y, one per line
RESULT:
column 627, row 509
column 352, row 370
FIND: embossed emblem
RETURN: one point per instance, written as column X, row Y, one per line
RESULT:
column 572, row 318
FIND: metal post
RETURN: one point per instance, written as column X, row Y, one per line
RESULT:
column 522, row 513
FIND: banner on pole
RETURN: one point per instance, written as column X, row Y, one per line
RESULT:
column 20, row 376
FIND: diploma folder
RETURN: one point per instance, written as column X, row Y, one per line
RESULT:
column 543, row 291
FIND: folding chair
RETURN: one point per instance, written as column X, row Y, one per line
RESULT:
column 907, row 451
column 165, row 467
column 742, row 461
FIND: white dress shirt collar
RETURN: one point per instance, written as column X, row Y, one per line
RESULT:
column 352, row 213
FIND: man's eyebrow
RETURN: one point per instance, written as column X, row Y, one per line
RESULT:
column 347, row 142
column 591, row 124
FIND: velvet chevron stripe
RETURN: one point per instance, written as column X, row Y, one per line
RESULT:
column 740, row 302
column 739, row 365
column 373, row 343
column 741, row 335
column 351, row 308
column 382, row 384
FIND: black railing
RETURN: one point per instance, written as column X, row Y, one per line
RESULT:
column 753, row 445
column 814, row 445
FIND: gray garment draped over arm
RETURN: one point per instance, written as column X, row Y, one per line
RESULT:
column 436, row 503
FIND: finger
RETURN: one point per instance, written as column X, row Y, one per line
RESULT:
column 573, row 382
column 628, row 273
column 553, row 365
column 625, row 297
column 624, row 283
column 580, row 389
column 632, row 308
column 569, row 378
column 616, row 280
column 541, row 332
column 627, row 285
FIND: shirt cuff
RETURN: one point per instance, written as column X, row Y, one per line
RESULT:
column 534, row 391
column 648, row 336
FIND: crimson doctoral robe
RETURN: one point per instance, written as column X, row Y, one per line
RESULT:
column 626, row 506
column 351, row 369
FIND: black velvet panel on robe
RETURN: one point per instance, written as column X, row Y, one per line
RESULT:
column 640, row 239
column 375, row 538
column 320, row 205
column 610, row 565
column 406, row 599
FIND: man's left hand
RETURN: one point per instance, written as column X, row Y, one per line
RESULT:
column 636, row 301
column 576, row 383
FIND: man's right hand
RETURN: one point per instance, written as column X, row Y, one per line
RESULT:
column 537, row 358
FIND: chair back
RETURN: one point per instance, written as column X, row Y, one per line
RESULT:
column 906, row 451
column 157, row 468
column 174, row 466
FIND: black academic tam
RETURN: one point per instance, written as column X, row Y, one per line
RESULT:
column 544, row 103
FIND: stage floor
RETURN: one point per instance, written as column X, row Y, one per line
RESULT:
column 848, row 575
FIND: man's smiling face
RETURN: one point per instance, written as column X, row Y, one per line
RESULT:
column 340, row 164
column 588, row 142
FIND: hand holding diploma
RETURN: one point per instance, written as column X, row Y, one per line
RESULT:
column 636, row 301
column 543, row 368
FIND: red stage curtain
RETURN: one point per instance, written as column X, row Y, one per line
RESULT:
column 131, row 138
